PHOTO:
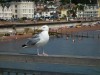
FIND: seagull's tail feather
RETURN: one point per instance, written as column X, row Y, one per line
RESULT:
column 24, row 45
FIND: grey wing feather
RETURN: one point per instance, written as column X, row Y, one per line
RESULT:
column 33, row 40
column 36, row 36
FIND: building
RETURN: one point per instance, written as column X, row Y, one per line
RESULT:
column 98, row 1
column 90, row 10
column 17, row 10
column 64, row 13
column 5, row 12
column 46, row 10
column 29, row 9
column 25, row 9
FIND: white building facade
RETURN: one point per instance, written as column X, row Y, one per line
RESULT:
column 25, row 9
column 47, row 10
column 5, row 12
column 17, row 10
column 89, row 11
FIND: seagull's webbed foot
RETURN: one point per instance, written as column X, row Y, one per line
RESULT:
column 44, row 54
column 38, row 52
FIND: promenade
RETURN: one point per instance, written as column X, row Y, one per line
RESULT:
column 85, row 61
column 60, row 29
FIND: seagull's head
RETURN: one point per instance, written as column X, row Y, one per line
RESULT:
column 45, row 28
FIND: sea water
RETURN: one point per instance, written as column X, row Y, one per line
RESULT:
column 56, row 46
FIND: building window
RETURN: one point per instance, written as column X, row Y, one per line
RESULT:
column 23, row 10
column 15, row 11
column 15, row 6
column 15, row 16
column 29, row 10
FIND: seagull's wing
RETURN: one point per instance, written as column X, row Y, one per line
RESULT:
column 33, row 40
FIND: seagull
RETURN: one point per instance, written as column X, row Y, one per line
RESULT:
column 38, row 40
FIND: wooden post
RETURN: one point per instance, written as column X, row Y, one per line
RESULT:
column 25, row 74
column 33, row 74
column 71, row 34
column 87, row 34
column 1, row 73
column 82, row 34
column 8, row 73
column 77, row 35
column 17, row 73
column 61, row 32
column 93, row 34
column 98, row 36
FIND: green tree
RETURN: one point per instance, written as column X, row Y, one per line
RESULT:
column 80, row 7
column 72, row 10
column 72, row 13
column 4, row 3
column 64, row 2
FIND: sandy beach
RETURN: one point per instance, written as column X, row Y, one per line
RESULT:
column 83, row 28
column 63, row 30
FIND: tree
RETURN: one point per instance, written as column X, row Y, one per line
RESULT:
column 64, row 2
column 4, row 3
column 72, row 10
column 80, row 7
column 72, row 13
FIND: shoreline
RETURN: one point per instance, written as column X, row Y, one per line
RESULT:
column 84, row 28
column 62, row 30
column 26, row 24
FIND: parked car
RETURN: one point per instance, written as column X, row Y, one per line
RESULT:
column 78, row 26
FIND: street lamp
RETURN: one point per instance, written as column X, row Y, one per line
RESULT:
column 90, row 1
column 91, row 10
column 70, row 9
column 70, row 1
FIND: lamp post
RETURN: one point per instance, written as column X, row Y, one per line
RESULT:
column 70, row 1
column 70, row 9
column 91, row 11
column 90, row 1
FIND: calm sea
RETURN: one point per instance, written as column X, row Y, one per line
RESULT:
column 57, row 46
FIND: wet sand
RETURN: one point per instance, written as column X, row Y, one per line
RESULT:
column 60, row 30
column 15, row 37
column 83, row 28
